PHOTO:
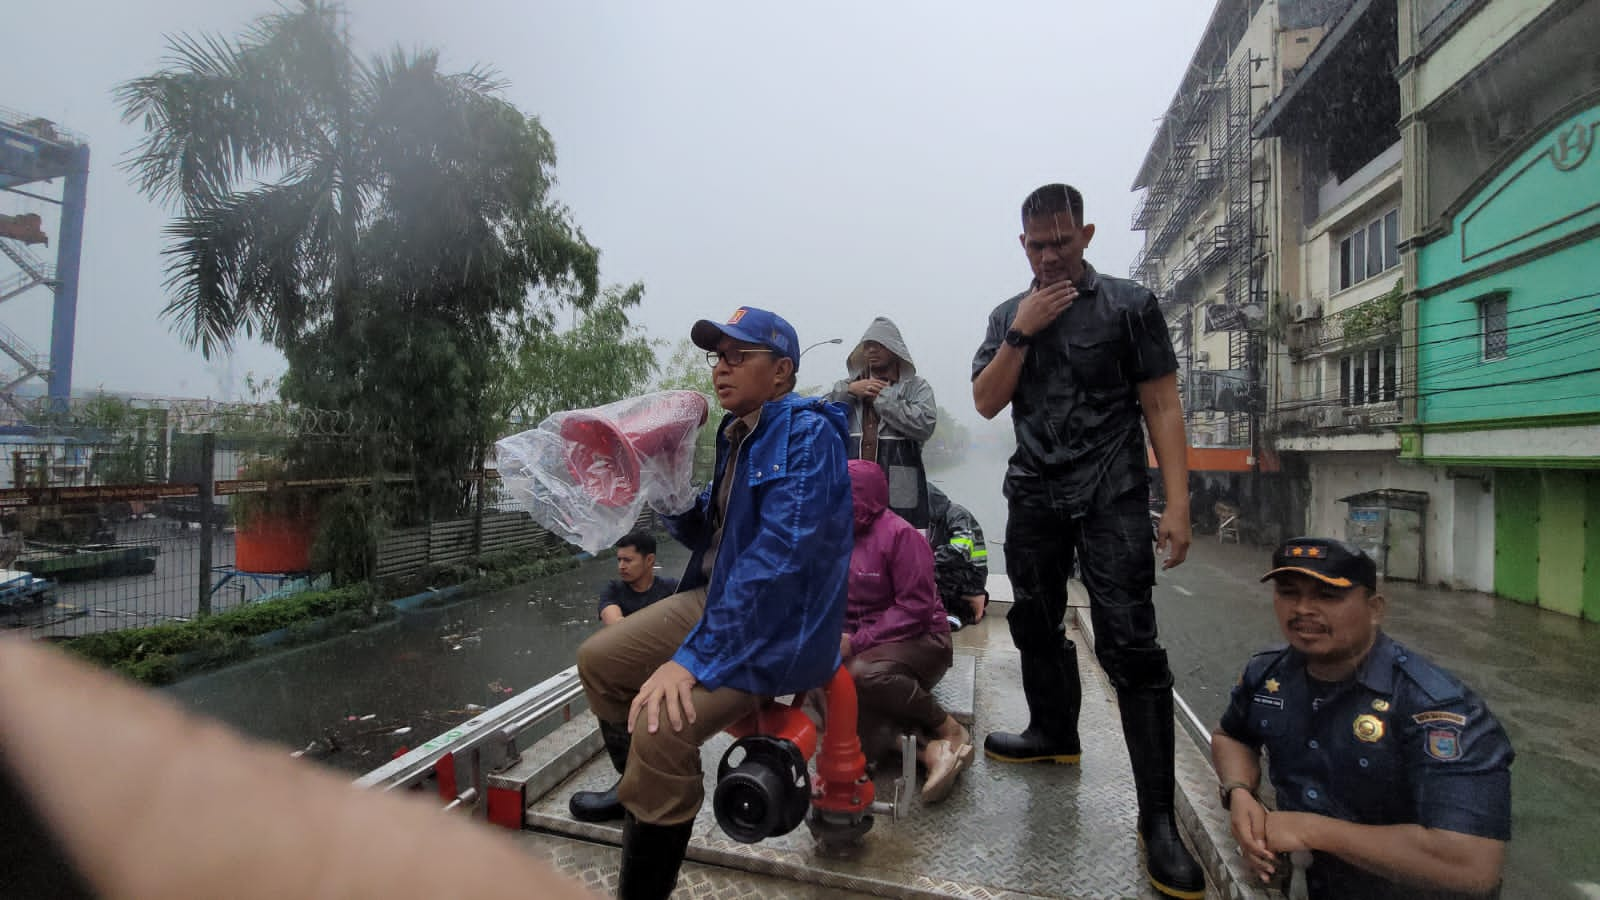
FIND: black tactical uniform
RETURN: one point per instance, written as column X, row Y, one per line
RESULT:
column 1077, row 487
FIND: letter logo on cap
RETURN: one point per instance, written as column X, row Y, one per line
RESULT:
column 737, row 315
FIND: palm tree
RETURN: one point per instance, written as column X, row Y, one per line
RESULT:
column 383, row 223
column 283, row 152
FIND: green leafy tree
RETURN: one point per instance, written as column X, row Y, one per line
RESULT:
column 602, row 359
column 685, row 369
column 382, row 222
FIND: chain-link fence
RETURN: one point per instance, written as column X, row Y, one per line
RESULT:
column 102, row 534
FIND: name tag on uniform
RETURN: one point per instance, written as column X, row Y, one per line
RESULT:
column 1269, row 700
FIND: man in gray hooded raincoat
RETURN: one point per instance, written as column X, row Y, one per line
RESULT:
column 892, row 413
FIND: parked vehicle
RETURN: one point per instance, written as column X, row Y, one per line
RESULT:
column 18, row 588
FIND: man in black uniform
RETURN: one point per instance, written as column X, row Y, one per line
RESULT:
column 1390, row 771
column 960, row 559
column 636, row 587
column 1084, row 360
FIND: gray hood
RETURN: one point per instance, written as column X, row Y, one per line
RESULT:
column 886, row 333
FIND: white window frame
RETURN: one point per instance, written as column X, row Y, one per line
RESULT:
column 1384, row 389
column 1386, row 229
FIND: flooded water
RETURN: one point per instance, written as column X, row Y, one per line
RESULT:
column 355, row 701
column 371, row 693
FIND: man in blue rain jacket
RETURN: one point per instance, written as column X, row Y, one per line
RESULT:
column 760, row 608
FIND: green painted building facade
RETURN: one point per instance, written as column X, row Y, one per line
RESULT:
column 1504, row 341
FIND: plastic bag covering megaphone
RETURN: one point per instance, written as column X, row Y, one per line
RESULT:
column 586, row 474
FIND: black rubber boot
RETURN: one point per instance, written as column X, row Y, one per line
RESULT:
column 603, row 806
column 651, row 856
column 1054, row 693
column 1147, row 725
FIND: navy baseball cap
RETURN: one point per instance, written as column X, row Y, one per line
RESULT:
column 753, row 326
column 1332, row 562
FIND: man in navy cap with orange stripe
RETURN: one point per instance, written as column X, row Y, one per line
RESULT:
column 759, row 610
column 1390, row 772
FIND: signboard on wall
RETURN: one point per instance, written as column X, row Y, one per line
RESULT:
column 1224, row 390
column 1231, row 317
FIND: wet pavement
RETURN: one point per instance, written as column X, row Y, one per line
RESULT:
column 356, row 701
column 1539, row 671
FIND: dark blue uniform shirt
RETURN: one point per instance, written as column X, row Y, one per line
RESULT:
column 1403, row 742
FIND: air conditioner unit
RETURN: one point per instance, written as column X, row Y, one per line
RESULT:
column 1328, row 417
column 1358, row 419
column 1298, row 336
column 1308, row 311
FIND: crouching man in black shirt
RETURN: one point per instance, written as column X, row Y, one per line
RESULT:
column 636, row 587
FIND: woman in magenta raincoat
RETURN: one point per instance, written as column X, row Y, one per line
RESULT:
column 896, row 641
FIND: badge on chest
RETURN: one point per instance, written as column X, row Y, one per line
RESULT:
column 1369, row 729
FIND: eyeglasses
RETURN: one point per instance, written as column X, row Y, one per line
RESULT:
column 735, row 356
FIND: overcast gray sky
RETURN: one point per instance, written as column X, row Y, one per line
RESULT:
column 829, row 160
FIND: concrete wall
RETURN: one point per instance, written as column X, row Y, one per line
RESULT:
column 1340, row 474
column 1481, row 36
column 1472, row 544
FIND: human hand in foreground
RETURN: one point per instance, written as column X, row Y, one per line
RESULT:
column 148, row 800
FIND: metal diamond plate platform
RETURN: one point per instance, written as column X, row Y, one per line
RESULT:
column 595, row 867
column 1008, row 831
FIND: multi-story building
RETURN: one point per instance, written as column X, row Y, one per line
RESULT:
column 1500, row 118
column 1212, row 250
column 1336, row 388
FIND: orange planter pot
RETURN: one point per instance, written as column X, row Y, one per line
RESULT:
column 274, row 545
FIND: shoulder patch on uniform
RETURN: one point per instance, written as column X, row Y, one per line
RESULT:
column 1434, row 716
column 1444, row 744
column 1433, row 681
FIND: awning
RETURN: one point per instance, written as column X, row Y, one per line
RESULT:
column 1221, row 459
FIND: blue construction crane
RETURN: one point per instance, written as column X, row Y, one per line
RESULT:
column 34, row 150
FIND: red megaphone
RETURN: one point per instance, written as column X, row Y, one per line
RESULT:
column 606, row 456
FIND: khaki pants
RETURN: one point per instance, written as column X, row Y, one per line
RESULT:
column 663, row 783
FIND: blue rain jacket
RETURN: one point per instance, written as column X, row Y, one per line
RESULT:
column 776, row 598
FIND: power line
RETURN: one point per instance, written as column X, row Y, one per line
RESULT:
column 1477, row 318
column 1456, row 365
column 1473, row 334
column 1564, row 338
column 1417, row 395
